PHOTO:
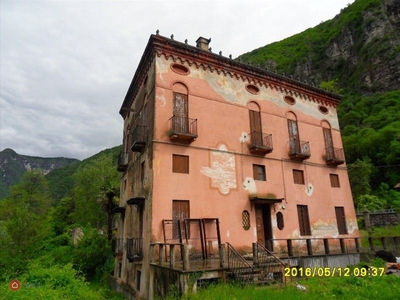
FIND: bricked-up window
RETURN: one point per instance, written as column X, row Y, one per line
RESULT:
column 180, row 163
column 304, row 220
column 259, row 173
column 279, row 220
column 334, row 180
column 246, row 220
column 298, row 176
column 341, row 219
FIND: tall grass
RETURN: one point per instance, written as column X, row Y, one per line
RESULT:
column 382, row 287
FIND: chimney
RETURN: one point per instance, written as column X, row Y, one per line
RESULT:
column 203, row 43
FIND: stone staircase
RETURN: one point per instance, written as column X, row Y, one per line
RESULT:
column 261, row 268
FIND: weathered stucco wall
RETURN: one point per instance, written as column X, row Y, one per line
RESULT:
column 221, row 177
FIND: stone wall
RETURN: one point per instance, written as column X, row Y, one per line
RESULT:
column 382, row 218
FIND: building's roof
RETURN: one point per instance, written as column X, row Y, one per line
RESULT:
column 183, row 52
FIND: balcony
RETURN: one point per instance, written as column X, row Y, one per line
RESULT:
column 183, row 129
column 334, row 156
column 139, row 138
column 122, row 162
column 134, row 249
column 299, row 150
column 117, row 246
column 260, row 143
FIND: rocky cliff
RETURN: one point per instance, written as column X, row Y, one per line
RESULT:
column 360, row 48
column 14, row 165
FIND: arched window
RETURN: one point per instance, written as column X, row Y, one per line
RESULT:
column 255, row 123
column 180, row 108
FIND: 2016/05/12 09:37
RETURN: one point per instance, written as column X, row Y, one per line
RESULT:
column 333, row 271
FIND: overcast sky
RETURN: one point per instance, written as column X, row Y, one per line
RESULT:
column 66, row 65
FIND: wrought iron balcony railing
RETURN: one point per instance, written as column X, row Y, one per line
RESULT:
column 299, row 150
column 182, row 129
column 334, row 156
column 134, row 249
column 260, row 143
column 139, row 138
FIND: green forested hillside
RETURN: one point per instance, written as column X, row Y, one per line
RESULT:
column 36, row 222
column 356, row 54
column 14, row 165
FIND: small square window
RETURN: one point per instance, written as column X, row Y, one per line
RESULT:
column 334, row 180
column 259, row 173
column 180, row 164
column 298, row 176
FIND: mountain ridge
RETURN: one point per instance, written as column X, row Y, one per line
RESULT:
column 14, row 165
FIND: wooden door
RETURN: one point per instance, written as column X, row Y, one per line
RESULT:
column 264, row 226
column 181, row 113
column 180, row 211
column 255, row 127
column 294, row 138
column 328, row 143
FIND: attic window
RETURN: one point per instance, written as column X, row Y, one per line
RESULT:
column 323, row 109
column 252, row 89
column 180, row 69
column 289, row 100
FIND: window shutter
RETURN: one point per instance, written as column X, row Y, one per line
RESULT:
column 180, row 164
column 304, row 220
column 341, row 219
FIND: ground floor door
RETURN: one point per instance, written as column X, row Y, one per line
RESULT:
column 264, row 226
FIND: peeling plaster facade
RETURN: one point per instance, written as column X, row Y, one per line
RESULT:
column 220, row 181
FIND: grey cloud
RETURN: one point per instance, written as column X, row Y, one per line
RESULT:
column 66, row 65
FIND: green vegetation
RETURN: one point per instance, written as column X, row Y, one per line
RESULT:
column 346, row 57
column 36, row 246
column 382, row 287
column 381, row 231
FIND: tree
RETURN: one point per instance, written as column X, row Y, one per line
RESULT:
column 22, row 219
column 370, row 202
column 359, row 174
column 92, row 184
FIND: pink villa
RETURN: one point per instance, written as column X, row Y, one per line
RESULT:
column 228, row 171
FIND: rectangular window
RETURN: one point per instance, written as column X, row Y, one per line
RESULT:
column 142, row 172
column 304, row 220
column 341, row 219
column 298, row 176
column 334, row 180
column 180, row 164
column 138, row 277
column 259, row 173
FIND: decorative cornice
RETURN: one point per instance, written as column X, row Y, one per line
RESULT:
column 206, row 60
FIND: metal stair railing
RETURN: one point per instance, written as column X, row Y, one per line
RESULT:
column 238, row 267
column 270, row 265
